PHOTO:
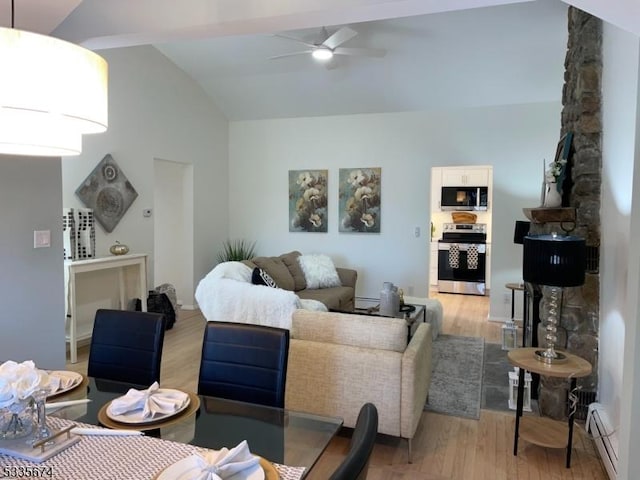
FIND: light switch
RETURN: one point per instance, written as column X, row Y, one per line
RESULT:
column 41, row 238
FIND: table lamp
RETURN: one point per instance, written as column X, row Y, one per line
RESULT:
column 556, row 261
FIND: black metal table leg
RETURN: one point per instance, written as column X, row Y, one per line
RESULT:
column 519, row 406
column 572, row 413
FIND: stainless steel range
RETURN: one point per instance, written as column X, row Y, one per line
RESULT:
column 462, row 258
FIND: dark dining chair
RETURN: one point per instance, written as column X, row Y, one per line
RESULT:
column 126, row 346
column 244, row 362
column 356, row 464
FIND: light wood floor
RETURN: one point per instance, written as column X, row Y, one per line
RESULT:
column 444, row 447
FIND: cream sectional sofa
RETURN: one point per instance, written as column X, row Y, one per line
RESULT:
column 338, row 362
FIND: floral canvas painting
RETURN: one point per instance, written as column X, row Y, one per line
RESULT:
column 359, row 200
column 308, row 200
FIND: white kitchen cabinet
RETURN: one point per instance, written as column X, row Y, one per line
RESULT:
column 465, row 176
column 487, row 278
column 433, row 264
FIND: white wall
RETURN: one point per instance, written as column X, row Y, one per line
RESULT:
column 173, row 226
column 156, row 111
column 514, row 139
column 31, row 286
column 620, row 265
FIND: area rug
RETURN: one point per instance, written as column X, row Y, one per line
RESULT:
column 495, row 378
column 456, row 381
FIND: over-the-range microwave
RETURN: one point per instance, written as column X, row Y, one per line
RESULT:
column 464, row 198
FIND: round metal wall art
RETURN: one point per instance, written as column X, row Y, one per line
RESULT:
column 108, row 192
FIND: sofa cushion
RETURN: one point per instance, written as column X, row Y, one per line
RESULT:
column 291, row 261
column 319, row 271
column 364, row 331
column 336, row 298
column 275, row 267
column 261, row 277
column 342, row 378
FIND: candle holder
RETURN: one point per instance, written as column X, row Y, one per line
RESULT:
column 41, row 430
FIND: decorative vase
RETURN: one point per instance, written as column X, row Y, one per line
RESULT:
column 389, row 300
column 552, row 197
column 16, row 420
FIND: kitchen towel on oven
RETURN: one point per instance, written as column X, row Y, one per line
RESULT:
column 454, row 255
column 472, row 257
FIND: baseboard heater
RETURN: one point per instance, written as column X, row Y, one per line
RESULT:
column 606, row 440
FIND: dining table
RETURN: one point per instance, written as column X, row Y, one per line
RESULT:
column 291, row 441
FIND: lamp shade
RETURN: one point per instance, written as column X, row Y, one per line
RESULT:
column 554, row 260
column 521, row 230
column 51, row 93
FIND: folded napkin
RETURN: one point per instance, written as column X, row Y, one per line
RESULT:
column 60, row 381
column 213, row 465
column 153, row 401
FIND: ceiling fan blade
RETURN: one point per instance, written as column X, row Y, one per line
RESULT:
column 339, row 37
column 294, row 39
column 303, row 52
column 367, row 52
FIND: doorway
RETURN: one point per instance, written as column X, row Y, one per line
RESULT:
column 463, row 177
column 173, row 228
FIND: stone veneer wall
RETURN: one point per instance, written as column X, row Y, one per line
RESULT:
column 581, row 114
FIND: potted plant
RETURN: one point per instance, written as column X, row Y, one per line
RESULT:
column 236, row 250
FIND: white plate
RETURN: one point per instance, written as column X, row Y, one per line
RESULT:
column 75, row 377
column 178, row 469
column 135, row 417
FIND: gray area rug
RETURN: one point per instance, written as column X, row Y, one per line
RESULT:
column 456, row 381
column 495, row 378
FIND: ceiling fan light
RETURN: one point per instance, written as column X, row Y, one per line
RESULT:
column 322, row 53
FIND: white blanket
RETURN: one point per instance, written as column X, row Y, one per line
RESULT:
column 226, row 300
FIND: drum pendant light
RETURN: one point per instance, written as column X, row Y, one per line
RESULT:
column 51, row 93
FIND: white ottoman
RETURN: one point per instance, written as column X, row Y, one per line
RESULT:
column 433, row 315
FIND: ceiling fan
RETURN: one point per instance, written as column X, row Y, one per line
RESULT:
column 330, row 45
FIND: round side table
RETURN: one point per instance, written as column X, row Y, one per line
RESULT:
column 513, row 287
column 541, row 430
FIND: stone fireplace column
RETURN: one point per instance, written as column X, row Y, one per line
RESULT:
column 581, row 115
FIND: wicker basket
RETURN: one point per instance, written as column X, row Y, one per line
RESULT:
column 464, row 217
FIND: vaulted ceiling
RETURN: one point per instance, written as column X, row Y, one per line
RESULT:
column 440, row 53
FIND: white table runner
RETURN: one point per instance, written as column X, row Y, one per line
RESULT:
column 116, row 458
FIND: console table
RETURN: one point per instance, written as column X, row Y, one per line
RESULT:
column 541, row 430
column 76, row 267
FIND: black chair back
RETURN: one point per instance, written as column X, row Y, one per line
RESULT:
column 356, row 464
column 126, row 346
column 244, row 362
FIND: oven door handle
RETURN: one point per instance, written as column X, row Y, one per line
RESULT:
column 463, row 247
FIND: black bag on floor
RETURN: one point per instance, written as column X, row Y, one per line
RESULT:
column 159, row 303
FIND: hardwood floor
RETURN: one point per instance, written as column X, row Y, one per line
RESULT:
column 444, row 447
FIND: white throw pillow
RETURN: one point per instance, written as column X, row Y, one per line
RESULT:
column 319, row 271
column 233, row 271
